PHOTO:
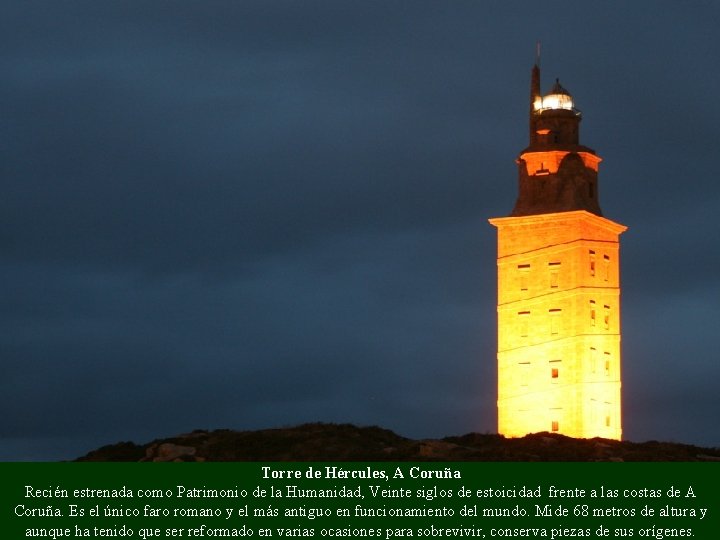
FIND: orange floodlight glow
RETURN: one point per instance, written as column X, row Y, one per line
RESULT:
column 558, row 304
column 557, row 366
column 548, row 162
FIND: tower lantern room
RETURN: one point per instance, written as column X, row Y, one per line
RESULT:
column 555, row 172
column 556, row 120
column 558, row 285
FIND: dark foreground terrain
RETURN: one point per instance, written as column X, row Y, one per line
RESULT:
column 346, row 442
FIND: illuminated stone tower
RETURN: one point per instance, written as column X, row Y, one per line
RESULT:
column 558, row 286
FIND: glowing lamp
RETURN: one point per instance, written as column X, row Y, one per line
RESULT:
column 558, row 98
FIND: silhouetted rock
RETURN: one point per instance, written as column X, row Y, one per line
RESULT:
column 346, row 442
column 169, row 452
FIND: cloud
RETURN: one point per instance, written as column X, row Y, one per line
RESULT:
column 259, row 214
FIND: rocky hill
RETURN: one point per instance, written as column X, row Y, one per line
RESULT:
column 346, row 442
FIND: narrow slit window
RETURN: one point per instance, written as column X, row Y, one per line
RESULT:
column 594, row 411
column 606, row 317
column 593, row 359
column 555, row 321
column 524, row 323
column 607, row 364
column 608, row 415
column 606, row 267
column 555, row 425
column 555, row 370
column 523, row 272
column 592, row 312
column 554, row 274
column 592, row 263
column 524, row 373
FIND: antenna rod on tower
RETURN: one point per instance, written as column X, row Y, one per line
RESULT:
column 534, row 91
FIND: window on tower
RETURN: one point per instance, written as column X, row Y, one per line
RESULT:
column 606, row 317
column 592, row 262
column 523, row 272
column 592, row 312
column 524, row 323
column 593, row 359
column 606, row 267
column 554, row 274
column 607, row 364
column 594, row 410
column 554, row 370
column 555, row 320
column 555, row 425
column 607, row 414
column 524, row 373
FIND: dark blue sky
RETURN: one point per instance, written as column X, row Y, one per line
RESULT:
column 257, row 214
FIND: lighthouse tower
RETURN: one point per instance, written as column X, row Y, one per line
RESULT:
column 558, row 285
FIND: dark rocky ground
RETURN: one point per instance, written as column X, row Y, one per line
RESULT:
column 346, row 442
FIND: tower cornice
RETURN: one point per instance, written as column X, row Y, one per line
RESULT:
column 528, row 233
column 572, row 215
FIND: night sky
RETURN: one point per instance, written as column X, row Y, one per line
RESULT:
column 256, row 214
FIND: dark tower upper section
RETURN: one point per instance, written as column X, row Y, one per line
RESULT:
column 555, row 173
